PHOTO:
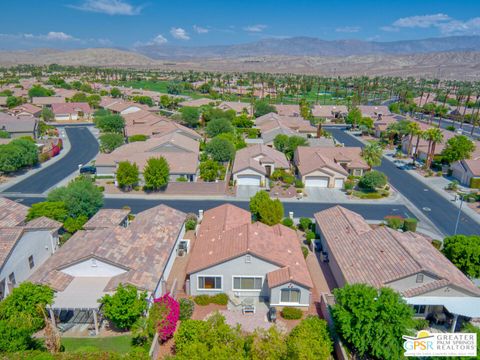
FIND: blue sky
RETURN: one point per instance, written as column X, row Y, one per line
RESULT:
column 26, row 24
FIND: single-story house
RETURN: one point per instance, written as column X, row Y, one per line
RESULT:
column 197, row 102
column 255, row 163
column 328, row 167
column 375, row 112
column 124, row 107
column 237, row 106
column 72, row 111
column 94, row 262
column 298, row 124
column 26, row 110
column 24, row 246
column 287, row 110
column 107, row 219
column 466, row 170
column 66, row 93
column 406, row 262
column 247, row 260
column 181, row 153
column 19, row 126
column 48, row 100
column 380, row 126
column 329, row 112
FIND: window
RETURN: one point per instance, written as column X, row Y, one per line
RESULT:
column 248, row 258
column 209, row 282
column 419, row 309
column 247, row 283
column 31, row 263
column 419, row 278
column 290, row 296
column 11, row 278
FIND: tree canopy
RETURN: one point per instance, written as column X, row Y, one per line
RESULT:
column 310, row 339
column 458, row 148
column 55, row 210
column 125, row 306
column 371, row 321
column 39, row 91
column 288, row 144
column 110, row 123
column 373, row 180
column 211, row 170
column 266, row 210
column 190, row 115
column 17, row 154
column 220, row 149
column 218, row 126
column 156, row 173
column 372, row 153
column 263, row 108
column 110, row 141
column 464, row 252
column 127, row 174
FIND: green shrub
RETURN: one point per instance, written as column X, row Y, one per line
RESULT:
column 368, row 194
column 190, row 224
column 292, row 313
column 186, row 308
column 410, row 224
column 349, row 185
column 182, row 179
column 372, row 180
column 394, row 222
column 475, row 183
column 450, row 128
column 304, row 252
column 135, row 138
column 202, row 300
column 437, row 244
column 299, row 184
column 219, row 299
column 309, row 235
column 421, row 324
column 287, row 222
column 305, row 223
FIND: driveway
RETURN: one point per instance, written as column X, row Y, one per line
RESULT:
column 325, row 194
column 84, row 147
column 247, row 191
column 438, row 209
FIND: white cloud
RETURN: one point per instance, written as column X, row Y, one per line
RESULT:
column 110, row 7
column 421, row 21
column 159, row 40
column 58, row 35
column 179, row 33
column 348, row 29
column 200, row 29
column 255, row 28
column 456, row 27
column 50, row 36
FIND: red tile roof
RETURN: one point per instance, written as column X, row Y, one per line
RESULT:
column 70, row 108
column 12, row 213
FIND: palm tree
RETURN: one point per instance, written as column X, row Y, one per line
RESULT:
column 433, row 136
column 372, row 153
column 413, row 128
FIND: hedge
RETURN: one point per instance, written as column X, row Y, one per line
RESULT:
column 475, row 183
column 292, row 313
column 394, row 222
column 186, row 308
column 219, row 299
column 305, row 252
column 410, row 224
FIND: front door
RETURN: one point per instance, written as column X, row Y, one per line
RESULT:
column 268, row 168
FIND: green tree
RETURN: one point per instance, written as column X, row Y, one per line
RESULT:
column 127, row 174
column 210, row 170
column 218, row 126
column 434, row 136
column 27, row 299
column 94, row 100
column 268, row 344
column 354, row 117
column 39, row 91
column 13, row 101
column 115, row 92
column 110, row 141
column 294, row 142
column 371, row 321
column 80, row 196
column 464, row 252
column 110, row 123
column 125, row 306
column 55, row 210
column 18, row 153
column 79, row 97
column 266, row 210
column 16, row 334
column 235, row 138
column 156, row 173
column 263, row 108
column 4, row 134
column 458, row 148
column 372, row 154
column 373, row 180
column 190, row 115
column 242, row 121
column 281, row 142
column 138, row 137
column 72, row 225
column 220, row 149
column 146, row 100
column 310, row 340
column 47, row 115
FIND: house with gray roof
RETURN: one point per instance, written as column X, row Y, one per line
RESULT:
column 19, row 126
column 406, row 262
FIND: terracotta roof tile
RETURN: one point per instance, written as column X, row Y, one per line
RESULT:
column 70, row 108
column 253, row 156
column 8, row 239
column 43, row 222
column 106, row 218
column 11, row 213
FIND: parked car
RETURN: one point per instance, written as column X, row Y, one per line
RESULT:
column 88, row 170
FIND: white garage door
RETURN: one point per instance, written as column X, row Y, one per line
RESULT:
column 317, row 181
column 248, row 180
column 338, row 183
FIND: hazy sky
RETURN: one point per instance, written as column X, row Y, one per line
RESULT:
column 26, row 24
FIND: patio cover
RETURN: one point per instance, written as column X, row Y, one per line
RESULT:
column 81, row 293
column 465, row 306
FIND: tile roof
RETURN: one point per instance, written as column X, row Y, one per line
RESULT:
column 473, row 165
column 253, row 156
column 106, row 218
column 8, row 239
column 373, row 111
column 14, row 124
column 184, row 161
column 237, row 106
column 12, row 213
column 327, row 111
column 142, row 249
column 48, row 100
column 287, row 110
column 197, row 102
column 28, row 108
column 226, row 232
column 43, row 222
column 70, row 108
column 382, row 255
column 272, row 120
column 121, row 105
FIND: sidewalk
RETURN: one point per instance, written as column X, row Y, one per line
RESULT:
column 63, row 153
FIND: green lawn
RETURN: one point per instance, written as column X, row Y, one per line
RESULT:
column 120, row 344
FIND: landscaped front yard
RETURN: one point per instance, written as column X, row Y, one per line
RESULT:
column 120, row 344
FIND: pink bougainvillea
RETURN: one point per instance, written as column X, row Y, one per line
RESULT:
column 169, row 314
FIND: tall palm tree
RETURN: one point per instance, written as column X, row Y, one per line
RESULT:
column 413, row 128
column 372, row 153
column 434, row 136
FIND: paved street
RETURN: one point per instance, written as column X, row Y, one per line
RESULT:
column 84, row 147
column 300, row 209
column 439, row 210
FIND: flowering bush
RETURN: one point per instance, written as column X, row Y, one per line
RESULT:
column 169, row 312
